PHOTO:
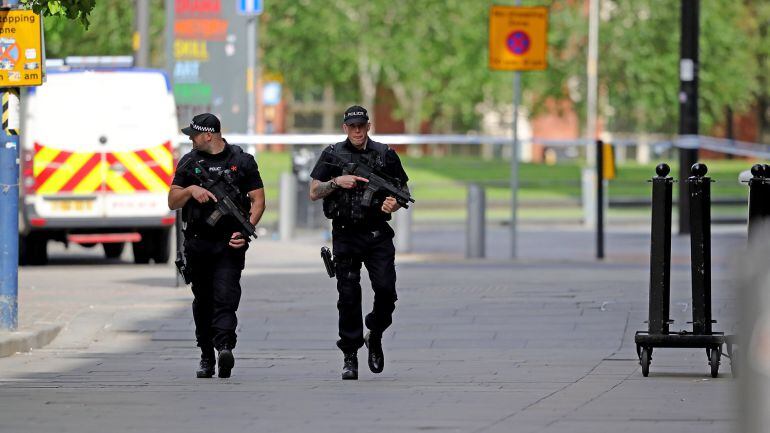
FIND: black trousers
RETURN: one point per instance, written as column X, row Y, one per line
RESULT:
column 216, row 273
column 373, row 247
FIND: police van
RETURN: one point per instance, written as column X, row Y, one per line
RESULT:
column 98, row 145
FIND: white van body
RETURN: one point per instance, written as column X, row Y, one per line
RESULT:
column 98, row 155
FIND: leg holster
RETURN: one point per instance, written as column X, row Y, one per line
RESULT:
column 345, row 270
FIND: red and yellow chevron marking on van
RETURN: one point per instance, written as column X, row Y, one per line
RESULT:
column 146, row 170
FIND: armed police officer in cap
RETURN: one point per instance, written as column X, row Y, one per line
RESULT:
column 215, row 241
column 360, row 234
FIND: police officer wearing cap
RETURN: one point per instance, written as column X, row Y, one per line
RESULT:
column 360, row 235
column 215, row 255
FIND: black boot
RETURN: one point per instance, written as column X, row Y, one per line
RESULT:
column 206, row 367
column 226, row 361
column 350, row 369
column 376, row 359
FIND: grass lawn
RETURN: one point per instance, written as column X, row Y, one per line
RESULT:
column 444, row 178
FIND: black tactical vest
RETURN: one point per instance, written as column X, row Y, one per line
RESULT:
column 345, row 204
column 194, row 214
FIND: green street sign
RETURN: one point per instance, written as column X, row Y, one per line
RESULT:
column 192, row 93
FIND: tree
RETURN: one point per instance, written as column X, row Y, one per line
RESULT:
column 433, row 55
column 639, row 63
column 110, row 33
column 313, row 43
column 414, row 70
column 759, row 10
column 79, row 10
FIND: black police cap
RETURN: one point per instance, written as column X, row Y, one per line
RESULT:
column 205, row 122
column 355, row 114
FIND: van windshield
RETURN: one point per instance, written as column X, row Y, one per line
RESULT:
column 122, row 105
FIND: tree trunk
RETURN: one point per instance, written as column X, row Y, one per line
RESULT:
column 368, row 77
column 410, row 104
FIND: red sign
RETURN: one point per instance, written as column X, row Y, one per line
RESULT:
column 208, row 29
column 198, row 6
column 518, row 42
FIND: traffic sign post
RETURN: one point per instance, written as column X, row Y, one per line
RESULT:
column 250, row 7
column 21, row 64
column 517, row 42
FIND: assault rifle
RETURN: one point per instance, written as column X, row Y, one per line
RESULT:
column 378, row 181
column 228, row 198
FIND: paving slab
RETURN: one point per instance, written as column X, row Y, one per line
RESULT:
column 540, row 344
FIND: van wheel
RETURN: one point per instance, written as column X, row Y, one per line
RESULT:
column 155, row 245
column 113, row 250
column 33, row 250
column 162, row 249
column 142, row 248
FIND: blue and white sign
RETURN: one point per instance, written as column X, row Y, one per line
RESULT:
column 249, row 7
column 271, row 93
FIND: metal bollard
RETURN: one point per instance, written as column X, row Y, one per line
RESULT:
column 599, row 199
column 759, row 198
column 588, row 196
column 403, row 230
column 699, row 189
column 660, row 251
column 288, row 206
column 476, row 222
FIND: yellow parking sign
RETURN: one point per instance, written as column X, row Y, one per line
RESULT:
column 518, row 38
column 21, row 56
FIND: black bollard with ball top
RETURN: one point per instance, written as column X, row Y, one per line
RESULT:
column 658, row 333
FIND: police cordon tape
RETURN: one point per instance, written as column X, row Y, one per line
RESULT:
column 396, row 139
column 726, row 146
column 721, row 145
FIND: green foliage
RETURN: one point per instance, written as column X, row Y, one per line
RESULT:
column 433, row 55
column 639, row 63
column 298, row 37
column 758, row 21
column 110, row 33
column 444, row 178
column 79, row 10
column 729, row 65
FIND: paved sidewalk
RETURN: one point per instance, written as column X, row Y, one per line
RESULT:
column 543, row 344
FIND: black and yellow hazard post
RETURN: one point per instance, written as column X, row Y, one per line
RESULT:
column 21, row 64
column 605, row 170
column 10, row 94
